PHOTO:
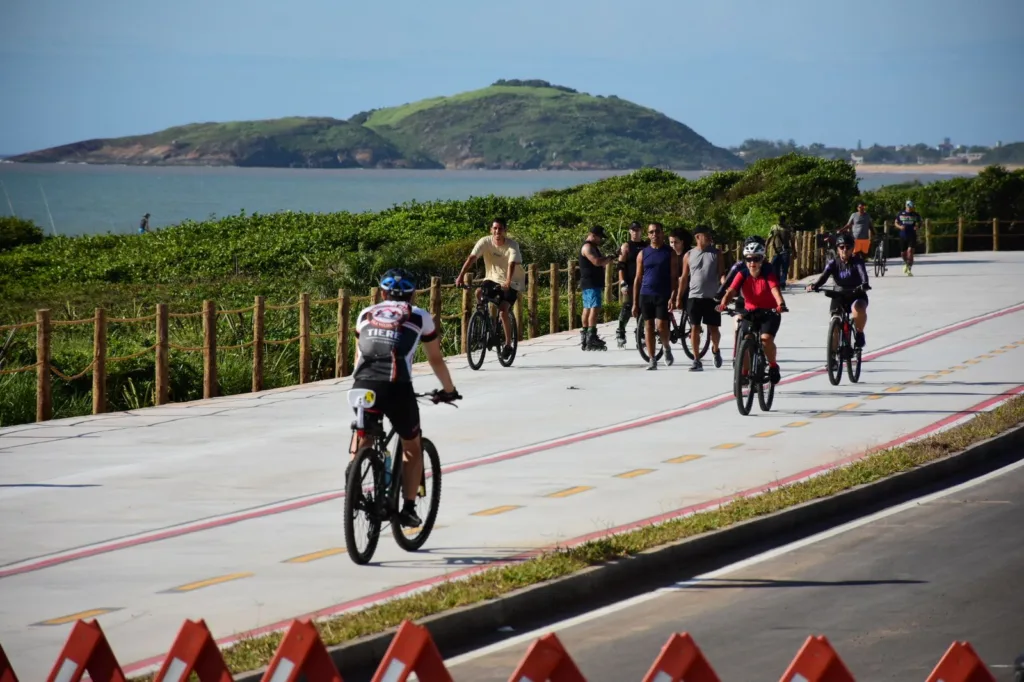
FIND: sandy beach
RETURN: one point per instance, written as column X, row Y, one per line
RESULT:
column 936, row 168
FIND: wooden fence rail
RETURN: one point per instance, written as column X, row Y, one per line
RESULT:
column 807, row 260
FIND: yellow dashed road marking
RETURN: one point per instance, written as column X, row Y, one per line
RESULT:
column 915, row 382
column 81, row 615
column 825, row 415
column 945, row 371
column 793, row 425
column 876, row 396
column 971, row 362
column 416, row 531
column 766, row 434
column 959, row 367
column 313, row 556
column 727, row 446
column 497, row 510
column 930, row 376
column 850, row 406
column 634, row 473
column 683, row 459
column 986, row 356
column 199, row 584
column 894, row 389
column 571, row 491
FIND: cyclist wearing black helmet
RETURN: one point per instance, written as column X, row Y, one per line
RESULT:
column 848, row 272
column 387, row 336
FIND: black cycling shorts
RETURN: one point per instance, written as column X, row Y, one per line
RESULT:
column 703, row 311
column 493, row 289
column 846, row 302
column 908, row 243
column 397, row 402
column 769, row 319
column 654, row 307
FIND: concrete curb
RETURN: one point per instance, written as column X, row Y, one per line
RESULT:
column 458, row 626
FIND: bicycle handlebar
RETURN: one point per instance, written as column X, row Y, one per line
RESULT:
column 433, row 395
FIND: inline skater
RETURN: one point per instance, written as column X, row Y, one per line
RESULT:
column 592, row 269
column 909, row 222
column 653, row 288
column 762, row 298
column 387, row 335
column 849, row 272
column 504, row 276
column 627, row 273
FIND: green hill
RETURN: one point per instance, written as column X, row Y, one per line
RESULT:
column 511, row 124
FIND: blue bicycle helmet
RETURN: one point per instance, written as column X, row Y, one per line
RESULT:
column 398, row 284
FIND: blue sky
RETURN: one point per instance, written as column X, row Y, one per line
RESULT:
column 885, row 71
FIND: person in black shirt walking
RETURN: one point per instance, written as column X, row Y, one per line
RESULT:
column 592, row 268
column 627, row 273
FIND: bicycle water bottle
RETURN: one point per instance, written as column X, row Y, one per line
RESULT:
column 387, row 471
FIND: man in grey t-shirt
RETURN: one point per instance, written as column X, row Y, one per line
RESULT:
column 863, row 230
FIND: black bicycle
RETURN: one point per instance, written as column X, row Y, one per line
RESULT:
column 486, row 332
column 880, row 260
column 380, row 498
column 751, row 369
column 678, row 332
column 839, row 347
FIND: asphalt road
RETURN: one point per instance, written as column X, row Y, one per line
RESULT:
column 891, row 596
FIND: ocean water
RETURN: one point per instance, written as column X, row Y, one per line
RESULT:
column 74, row 199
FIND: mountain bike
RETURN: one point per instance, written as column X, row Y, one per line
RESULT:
column 880, row 259
column 380, row 499
column 678, row 332
column 752, row 355
column 485, row 332
column 838, row 345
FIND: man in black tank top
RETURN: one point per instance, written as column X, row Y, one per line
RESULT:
column 592, row 268
column 627, row 273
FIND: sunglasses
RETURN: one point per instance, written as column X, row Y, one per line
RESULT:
column 842, row 247
column 754, row 259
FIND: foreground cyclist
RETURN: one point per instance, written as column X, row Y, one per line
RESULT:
column 760, row 288
column 387, row 335
column 504, row 276
column 849, row 272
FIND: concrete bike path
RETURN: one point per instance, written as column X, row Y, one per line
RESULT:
column 231, row 509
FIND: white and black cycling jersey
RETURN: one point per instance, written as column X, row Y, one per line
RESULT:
column 388, row 334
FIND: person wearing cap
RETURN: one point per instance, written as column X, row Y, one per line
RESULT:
column 627, row 273
column 703, row 272
column 780, row 246
column 592, row 269
column 909, row 222
column 144, row 224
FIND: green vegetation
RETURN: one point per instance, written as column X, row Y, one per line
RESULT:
column 252, row 654
column 17, row 231
column 1008, row 153
column 511, row 124
column 232, row 259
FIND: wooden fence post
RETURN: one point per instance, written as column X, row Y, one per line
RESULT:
column 44, row 395
column 609, row 282
column 960, row 234
column 995, row 234
column 927, row 235
column 375, row 297
column 435, row 301
column 532, row 293
column 163, row 388
column 99, row 362
column 466, row 307
column 258, row 311
column 304, row 341
column 571, row 289
column 341, row 352
column 209, row 349
column 554, row 299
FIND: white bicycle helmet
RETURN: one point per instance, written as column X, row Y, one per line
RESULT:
column 909, row 204
column 753, row 249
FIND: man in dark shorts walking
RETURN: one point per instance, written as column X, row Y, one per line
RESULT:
column 657, row 274
column 627, row 273
column 703, row 272
column 908, row 221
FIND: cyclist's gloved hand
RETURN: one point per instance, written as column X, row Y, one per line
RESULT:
column 440, row 396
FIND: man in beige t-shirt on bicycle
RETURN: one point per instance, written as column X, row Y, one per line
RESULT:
column 504, row 276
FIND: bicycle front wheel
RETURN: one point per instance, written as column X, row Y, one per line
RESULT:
column 833, row 344
column 476, row 340
column 514, row 329
column 641, row 345
column 853, row 365
column 743, row 380
column 366, row 504
column 428, row 499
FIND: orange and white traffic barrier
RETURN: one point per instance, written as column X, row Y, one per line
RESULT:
column 681, row 659
column 547, row 660
column 301, row 654
column 6, row 671
column 194, row 651
column 412, row 649
column 817, row 661
column 86, row 650
column 961, row 663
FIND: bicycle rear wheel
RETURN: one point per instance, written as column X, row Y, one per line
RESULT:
column 745, row 356
column 429, row 496
column 641, row 346
column 705, row 334
column 476, row 340
column 507, row 362
column 833, row 345
column 853, row 362
column 369, row 503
